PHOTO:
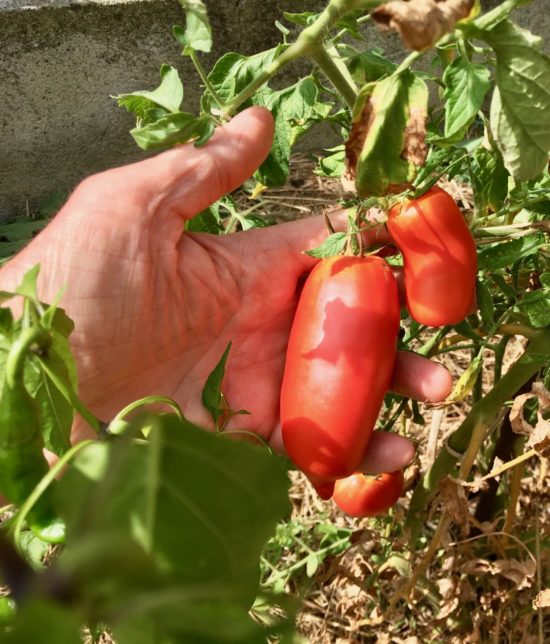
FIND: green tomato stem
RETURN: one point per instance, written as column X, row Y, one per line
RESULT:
column 204, row 78
column 309, row 40
column 43, row 485
column 15, row 363
column 493, row 17
column 150, row 400
column 331, row 70
column 409, row 60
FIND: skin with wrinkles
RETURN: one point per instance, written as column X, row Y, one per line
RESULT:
column 154, row 308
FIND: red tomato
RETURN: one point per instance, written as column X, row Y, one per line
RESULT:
column 339, row 364
column 360, row 495
column 439, row 256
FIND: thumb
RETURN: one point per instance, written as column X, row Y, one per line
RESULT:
column 186, row 179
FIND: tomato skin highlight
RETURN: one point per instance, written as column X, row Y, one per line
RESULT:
column 439, row 256
column 360, row 495
column 339, row 364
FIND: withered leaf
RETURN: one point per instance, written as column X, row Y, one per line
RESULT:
column 521, row 573
column 421, row 23
column 454, row 501
column 539, row 435
column 542, row 600
column 387, row 144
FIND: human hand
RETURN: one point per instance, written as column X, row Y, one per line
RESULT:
column 155, row 307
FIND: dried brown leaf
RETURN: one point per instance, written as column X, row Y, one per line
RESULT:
column 521, row 573
column 421, row 23
column 476, row 567
column 519, row 424
column 539, row 436
column 542, row 600
column 453, row 498
column 543, row 395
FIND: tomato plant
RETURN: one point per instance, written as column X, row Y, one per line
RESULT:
column 360, row 495
column 339, row 363
column 440, row 260
column 183, row 564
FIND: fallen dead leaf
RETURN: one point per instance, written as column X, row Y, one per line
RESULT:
column 521, row 573
column 453, row 498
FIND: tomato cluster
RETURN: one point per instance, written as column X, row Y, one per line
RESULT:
column 343, row 342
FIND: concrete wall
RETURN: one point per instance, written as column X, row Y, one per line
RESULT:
column 60, row 60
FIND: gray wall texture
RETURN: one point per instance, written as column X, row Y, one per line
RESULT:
column 60, row 60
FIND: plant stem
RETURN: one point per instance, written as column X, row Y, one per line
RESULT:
column 204, row 78
column 19, row 350
column 150, row 400
column 409, row 60
column 335, row 76
column 481, row 417
column 493, row 17
column 307, row 42
column 44, row 483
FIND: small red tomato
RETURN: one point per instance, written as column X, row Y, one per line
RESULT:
column 439, row 257
column 360, row 495
column 339, row 364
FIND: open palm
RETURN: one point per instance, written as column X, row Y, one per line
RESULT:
column 155, row 307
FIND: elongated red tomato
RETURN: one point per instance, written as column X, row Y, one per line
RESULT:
column 339, row 363
column 360, row 495
column 439, row 256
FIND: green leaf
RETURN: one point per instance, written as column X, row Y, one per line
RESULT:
column 505, row 254
column 233, row 72
column 253, row 221
column 6, row 322
column 172, row 129
column 312, row 564
column 207, row 221
column 212, row 392
column 301, row 19
column 197, row 506
column 332, row 165
column 369, row 66
column 294, row 111
column 489, row 179
column 386, row 144
column 440, row 161
column 466, row 85
column 486, row 306
column 467, row 380
column 520, row 108
column 333, row 245
column 21, row 230
column 27, row 288
column 144, row 104
column 7, row 611
column 33, row 549
column 56, row 410
column 536, row 306
column 198, row 32
column 47, row 622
